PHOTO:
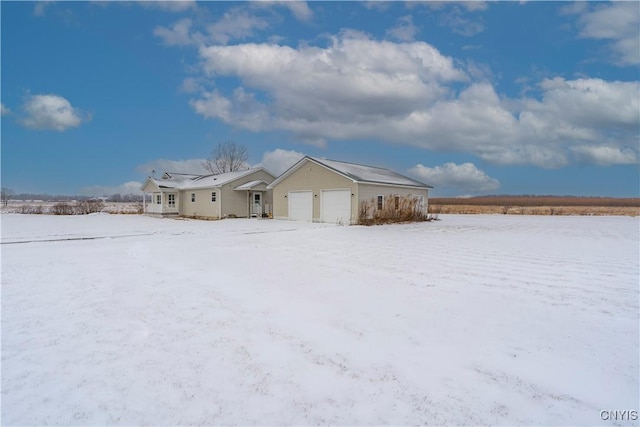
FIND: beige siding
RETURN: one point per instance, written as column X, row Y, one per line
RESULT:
column 237, row 202
column 229, row 202
column 203, row 207
column 314, row 177
column 368, row 192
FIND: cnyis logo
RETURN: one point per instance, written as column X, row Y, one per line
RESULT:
column 618, row 415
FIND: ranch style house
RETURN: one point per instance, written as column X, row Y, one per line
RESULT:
column 313, row 189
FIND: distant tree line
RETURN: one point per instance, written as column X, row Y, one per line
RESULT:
column 124, row 198
column 529, row 200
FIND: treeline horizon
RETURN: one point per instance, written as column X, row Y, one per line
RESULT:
column 126, row 198
column 537, row 200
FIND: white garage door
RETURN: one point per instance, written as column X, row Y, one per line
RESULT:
column 335, row 206
column 301, row 206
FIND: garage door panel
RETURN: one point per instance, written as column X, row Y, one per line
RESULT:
column 336, row 206
column 300, row 205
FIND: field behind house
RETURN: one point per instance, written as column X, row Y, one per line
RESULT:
column 536, row 205
column 44, row 206
column 483, row 319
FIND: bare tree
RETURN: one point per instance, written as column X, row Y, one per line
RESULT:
column 5, row 194
column 228, row 156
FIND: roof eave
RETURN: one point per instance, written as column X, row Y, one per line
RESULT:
column 389, row 184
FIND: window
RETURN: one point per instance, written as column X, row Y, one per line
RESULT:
column 193, row 197
column 380, row 201
column 158, row 199
column 396, row 202
column 172, row 200
column 213, row 196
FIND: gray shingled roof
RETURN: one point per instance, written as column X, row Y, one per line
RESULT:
column 362, row 173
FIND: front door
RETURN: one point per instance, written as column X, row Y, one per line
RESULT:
column 257, row 204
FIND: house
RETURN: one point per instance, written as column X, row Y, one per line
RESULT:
column 322, row 190
column 232, row 194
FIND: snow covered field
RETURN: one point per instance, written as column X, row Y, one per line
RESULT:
column 499, row 319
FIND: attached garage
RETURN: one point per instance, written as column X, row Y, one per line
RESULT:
column 300, row 205
column 335, row 206
column 330, row 191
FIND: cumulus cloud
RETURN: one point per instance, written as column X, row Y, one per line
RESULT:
column 190, row 85
column 471, row 6
column 178, row 34
column 131, row 187
column 409, row 93
column 279, row 160
column 300, row 9
column 237, row 23
column 352, row 82
column 52, row 112
column 605, row 155
column 160, row 166
column 614, row 21
column 460, row 17
column 462, row 25
column 405, row 29
column 4, row 110
column 174, row 6
column 459, row 179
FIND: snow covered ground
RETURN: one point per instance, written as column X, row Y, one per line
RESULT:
column 127, row 320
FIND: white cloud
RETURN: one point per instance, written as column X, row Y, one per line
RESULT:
column 409, row 93
column 237, row 23
column 191, row 85
column 160, row 166
column 605, row 155
column 178, row 34
column 131, row 187
column 405, row 30
column 460, row 179
column 462, row 25
column 40, row 8
column 51, row 112
column 401, row 93
column 458, row 15
column 353, row 81
column 170, row 5
column 279, row 160
column 379, row 5
column 4, row 110
column 471, row 6
column 300, row 9
column 614, row 21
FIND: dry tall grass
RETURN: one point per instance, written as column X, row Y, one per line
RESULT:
column 394, row 209
column 536, row 205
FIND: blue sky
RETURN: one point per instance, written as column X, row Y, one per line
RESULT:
column 472, row 98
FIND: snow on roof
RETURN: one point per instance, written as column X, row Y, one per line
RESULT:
column 251, row 184
column 184, row 182
column 362, row 173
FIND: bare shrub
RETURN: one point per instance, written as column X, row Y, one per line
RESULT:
column 31, row 209
column 89, row 206
column 395, row 209
column 62, row 208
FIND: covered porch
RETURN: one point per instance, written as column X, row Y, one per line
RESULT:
column 258, row 200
